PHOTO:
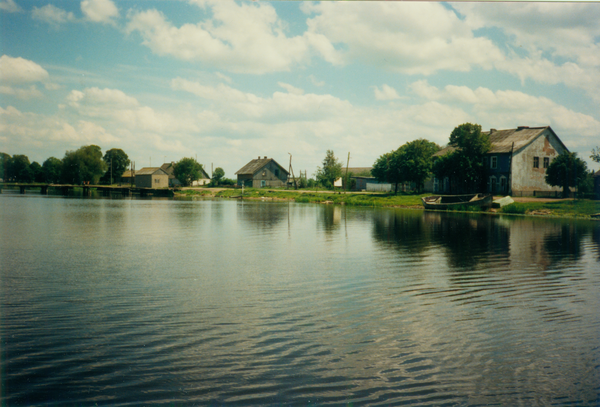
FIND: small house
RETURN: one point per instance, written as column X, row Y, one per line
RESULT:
column 517, row 161
column 262, row 172
column 169, row 168
column 127, row 177
column 151, row 177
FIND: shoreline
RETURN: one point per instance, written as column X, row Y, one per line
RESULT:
column 568, row 208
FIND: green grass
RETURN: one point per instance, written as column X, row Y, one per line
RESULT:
column 582, row 208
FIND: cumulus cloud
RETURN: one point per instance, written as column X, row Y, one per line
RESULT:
column 19, row 70
column 395, row 36
column 291, row 89
column 509, row 108
column 9, row 6
column 99, row 11
column 21, row 93
column 385, row 93
column 52, row 15
column 246, row 38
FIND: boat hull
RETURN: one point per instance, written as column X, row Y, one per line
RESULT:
column 452, row 201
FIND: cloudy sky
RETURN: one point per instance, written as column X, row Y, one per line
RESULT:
column 229, row 81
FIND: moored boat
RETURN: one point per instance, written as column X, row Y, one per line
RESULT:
column 449, row 201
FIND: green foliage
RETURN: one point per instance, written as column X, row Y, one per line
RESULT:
column 596, row 154
column 331, row 170
column 4, row 164
column 217, row 176
column 187, row 170
column 566, row 170
column 415, row 161
column 83, row 165
column 514, row 208
column 37, row 171
column 387, row 169
column 52, row 168
column 464, row 165
column 20, row 168
column 117, row 163
column 227, row 181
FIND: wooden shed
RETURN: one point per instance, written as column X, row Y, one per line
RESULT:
column 262, row 172
column 151, row 177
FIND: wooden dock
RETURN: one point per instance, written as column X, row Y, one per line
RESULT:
column 106, row 190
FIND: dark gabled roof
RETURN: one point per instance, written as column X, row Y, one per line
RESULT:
column 169, row 168
column 502, row 140
column 597, row 174
column 357, row 170
column 256, row 165
column 150, row 171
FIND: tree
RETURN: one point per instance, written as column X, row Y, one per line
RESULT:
column 566, row 170
column 415, row 160
column 37, row 171
column 52, row 169
column 217, row 176
column 4, row 167
column 116, row 163
column 596, row 154
column 20, row 168
column 387, row 169
column 187, row 170
column 331, row 170
column 83, row 165
column 464, row 164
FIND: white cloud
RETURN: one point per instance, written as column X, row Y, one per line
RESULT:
column 95, row 97
column 396, row 36
column 508, row 109
column 19, row 70
column 99, row 11
column 291, row 89
column 315, row 81
column 29, row 93
column 385, row 93
column 246, row 38
column 9, row 6
column 52, row 15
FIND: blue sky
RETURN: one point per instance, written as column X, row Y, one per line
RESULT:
column 229, row 81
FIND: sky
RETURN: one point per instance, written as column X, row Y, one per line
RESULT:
column 228, row 81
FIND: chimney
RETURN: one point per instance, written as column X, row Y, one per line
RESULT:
column 492, row 131
column 259, row 157
column 265, row 157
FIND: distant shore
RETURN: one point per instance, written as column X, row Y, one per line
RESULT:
column 528, row 206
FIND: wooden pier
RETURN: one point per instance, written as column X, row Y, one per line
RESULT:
column 106, row 190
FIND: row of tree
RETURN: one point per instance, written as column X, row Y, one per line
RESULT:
column 88, row 165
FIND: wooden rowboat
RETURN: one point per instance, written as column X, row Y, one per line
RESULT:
column 448, row 201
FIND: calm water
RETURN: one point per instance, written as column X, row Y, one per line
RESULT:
column 139, row 302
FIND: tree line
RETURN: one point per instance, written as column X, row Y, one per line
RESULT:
column 87, row 165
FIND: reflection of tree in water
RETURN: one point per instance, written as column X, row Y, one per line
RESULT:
column 264, row 215
column 406, row 230
column 566, row 243
column 469, row 238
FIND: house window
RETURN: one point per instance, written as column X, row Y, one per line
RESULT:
column 263, row 183
column 546, row 162
column 503, row 184
column 494, row 162
column 277, row 172
column 536, row 162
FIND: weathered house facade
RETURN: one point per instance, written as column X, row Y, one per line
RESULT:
column 262, row 172
column 517, row 161
column 169, row 168
column 151, row 177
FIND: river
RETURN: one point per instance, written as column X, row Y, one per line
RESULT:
column 127, row 302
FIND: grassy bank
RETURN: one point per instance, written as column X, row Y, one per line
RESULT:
column 570, row 209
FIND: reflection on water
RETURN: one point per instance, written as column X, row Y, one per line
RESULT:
column 132, row 302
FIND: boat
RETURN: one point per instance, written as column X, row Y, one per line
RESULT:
column 452, row 201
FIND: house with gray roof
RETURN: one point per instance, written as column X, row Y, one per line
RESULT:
column 151, row 177
column 262, row 172
column 517, row 161
column 169, row 168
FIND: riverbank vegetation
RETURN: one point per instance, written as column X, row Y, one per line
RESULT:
column 581, row 208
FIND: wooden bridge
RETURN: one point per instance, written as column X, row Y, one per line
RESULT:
column 107, row 190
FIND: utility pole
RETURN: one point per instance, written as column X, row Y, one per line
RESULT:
column 292, row 172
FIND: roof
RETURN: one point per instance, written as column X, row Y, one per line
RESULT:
column 357, row 170
column 502, row 140
column 597, row 174
column 169, row 168
column 256, row 165
column 126, row 174
column 150, row 171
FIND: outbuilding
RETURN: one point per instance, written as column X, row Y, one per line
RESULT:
column 262, row 172
column 151, row 177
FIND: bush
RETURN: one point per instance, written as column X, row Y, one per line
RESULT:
column 514, row 208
